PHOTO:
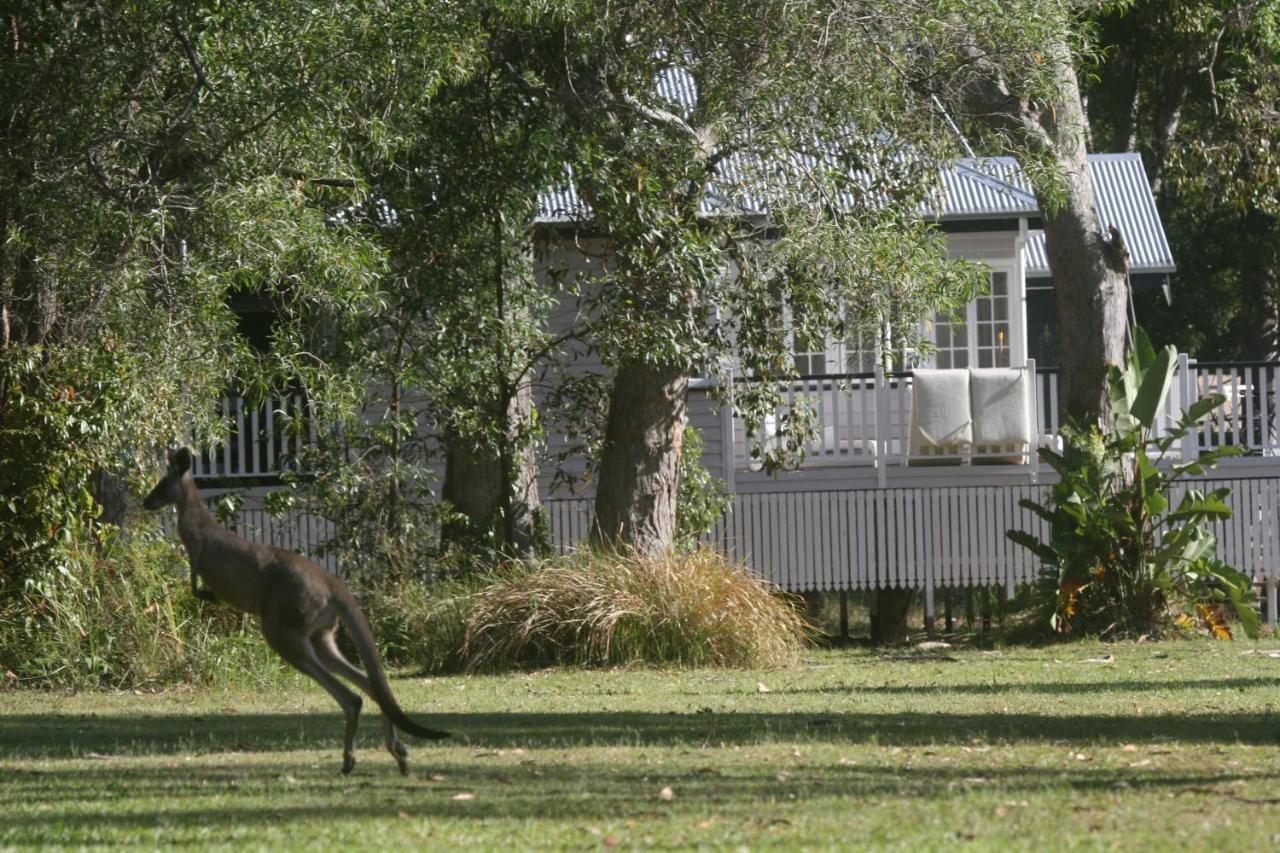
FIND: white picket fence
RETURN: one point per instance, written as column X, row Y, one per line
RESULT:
column 927, row 537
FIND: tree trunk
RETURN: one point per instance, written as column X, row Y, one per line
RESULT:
column 640, row 463
column 473, row 488
column 1091, row 302
column 524, row 506
column 889, row 622
column 1088, row 280
column 1088, row 272
column 474, row 478
column 111, row 493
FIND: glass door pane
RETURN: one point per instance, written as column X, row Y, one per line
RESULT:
column 992, row 346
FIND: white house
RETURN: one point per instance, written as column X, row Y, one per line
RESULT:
column 884, row 498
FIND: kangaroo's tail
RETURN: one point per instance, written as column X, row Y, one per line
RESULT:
column 356, row 624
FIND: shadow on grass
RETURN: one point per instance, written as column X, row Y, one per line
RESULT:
column 1071, row 687
column 105, row 801
column 69, row 736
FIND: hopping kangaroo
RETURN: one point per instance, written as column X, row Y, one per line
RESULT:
column 296, row 601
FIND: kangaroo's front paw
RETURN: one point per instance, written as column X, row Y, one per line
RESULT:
column 348, row 762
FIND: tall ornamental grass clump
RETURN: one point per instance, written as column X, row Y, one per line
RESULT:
column 601, row 608
column 122, row 616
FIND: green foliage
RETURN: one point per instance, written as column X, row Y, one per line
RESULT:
column 701, row 501
column 1191, row 85
column 422, row 623
column 123, row 617
column 1121, row 550
column 596, row 608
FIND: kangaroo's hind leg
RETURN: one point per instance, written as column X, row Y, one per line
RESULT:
column 325, row 644
column 296, row 649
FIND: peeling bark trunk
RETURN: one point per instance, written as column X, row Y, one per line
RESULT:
column 639, row 468
column 1089, row 285
column 474, row 483
column 889, row 622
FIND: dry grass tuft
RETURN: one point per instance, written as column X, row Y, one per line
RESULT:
column 594, row 608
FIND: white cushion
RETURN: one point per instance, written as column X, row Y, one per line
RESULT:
column 940, row 413
column 1000, row 397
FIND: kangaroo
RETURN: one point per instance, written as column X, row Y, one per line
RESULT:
column 298, row 605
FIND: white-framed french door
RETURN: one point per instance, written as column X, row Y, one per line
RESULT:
column 983, row 332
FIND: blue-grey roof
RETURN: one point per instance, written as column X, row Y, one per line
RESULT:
column 994, row 187
column 971, row 188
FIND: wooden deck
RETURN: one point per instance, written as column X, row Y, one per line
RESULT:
column 858, row 513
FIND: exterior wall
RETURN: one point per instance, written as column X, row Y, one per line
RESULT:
column 933, row 536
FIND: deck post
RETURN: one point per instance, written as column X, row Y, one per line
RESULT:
column 882, row 428
column 1272, row 586
column 1191, row 441
column 1033, row 416
column 728, row 456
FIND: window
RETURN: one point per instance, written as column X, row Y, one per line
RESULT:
column 978, row 335
column 810, row 356
column 859, row 353
column 951, row 334
column 993, row 323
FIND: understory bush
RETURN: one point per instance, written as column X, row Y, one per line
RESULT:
column 1126, row 554
column 422, row 624
column 596, row 608
column 122, row 616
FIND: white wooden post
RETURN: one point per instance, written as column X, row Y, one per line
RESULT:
column 1033, row 425
column 1191, row 441
column 728, row 455
column 882, row 428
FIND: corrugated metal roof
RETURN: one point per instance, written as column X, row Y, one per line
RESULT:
column 991, row 188
column 970, row 188
column 982, row 188
column 995, row 188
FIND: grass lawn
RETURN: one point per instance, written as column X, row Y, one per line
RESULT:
column 1133, row 746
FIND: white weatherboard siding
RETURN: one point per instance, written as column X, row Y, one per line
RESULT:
column 926, row 536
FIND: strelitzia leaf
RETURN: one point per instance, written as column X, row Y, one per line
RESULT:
column 1155, row 386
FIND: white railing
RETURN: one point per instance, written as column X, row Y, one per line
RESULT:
column 864, row 419
column 1248, row 418
column 261, row 440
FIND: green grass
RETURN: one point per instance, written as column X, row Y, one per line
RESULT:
column 1169, row 745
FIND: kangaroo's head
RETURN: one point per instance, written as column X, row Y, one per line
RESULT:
column 170, row 489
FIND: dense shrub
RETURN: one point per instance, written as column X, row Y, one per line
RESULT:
column 123, row 616
column 606, row 608
column 1125, row 552
column 701, row 500
column 422, row 624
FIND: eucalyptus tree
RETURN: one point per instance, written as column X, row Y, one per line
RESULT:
column 1007, row 72
column 153, row 159
column 450, row 176
column 749, row 167
column 1193, row 86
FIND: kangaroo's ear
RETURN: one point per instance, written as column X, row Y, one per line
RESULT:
column 180, row 460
